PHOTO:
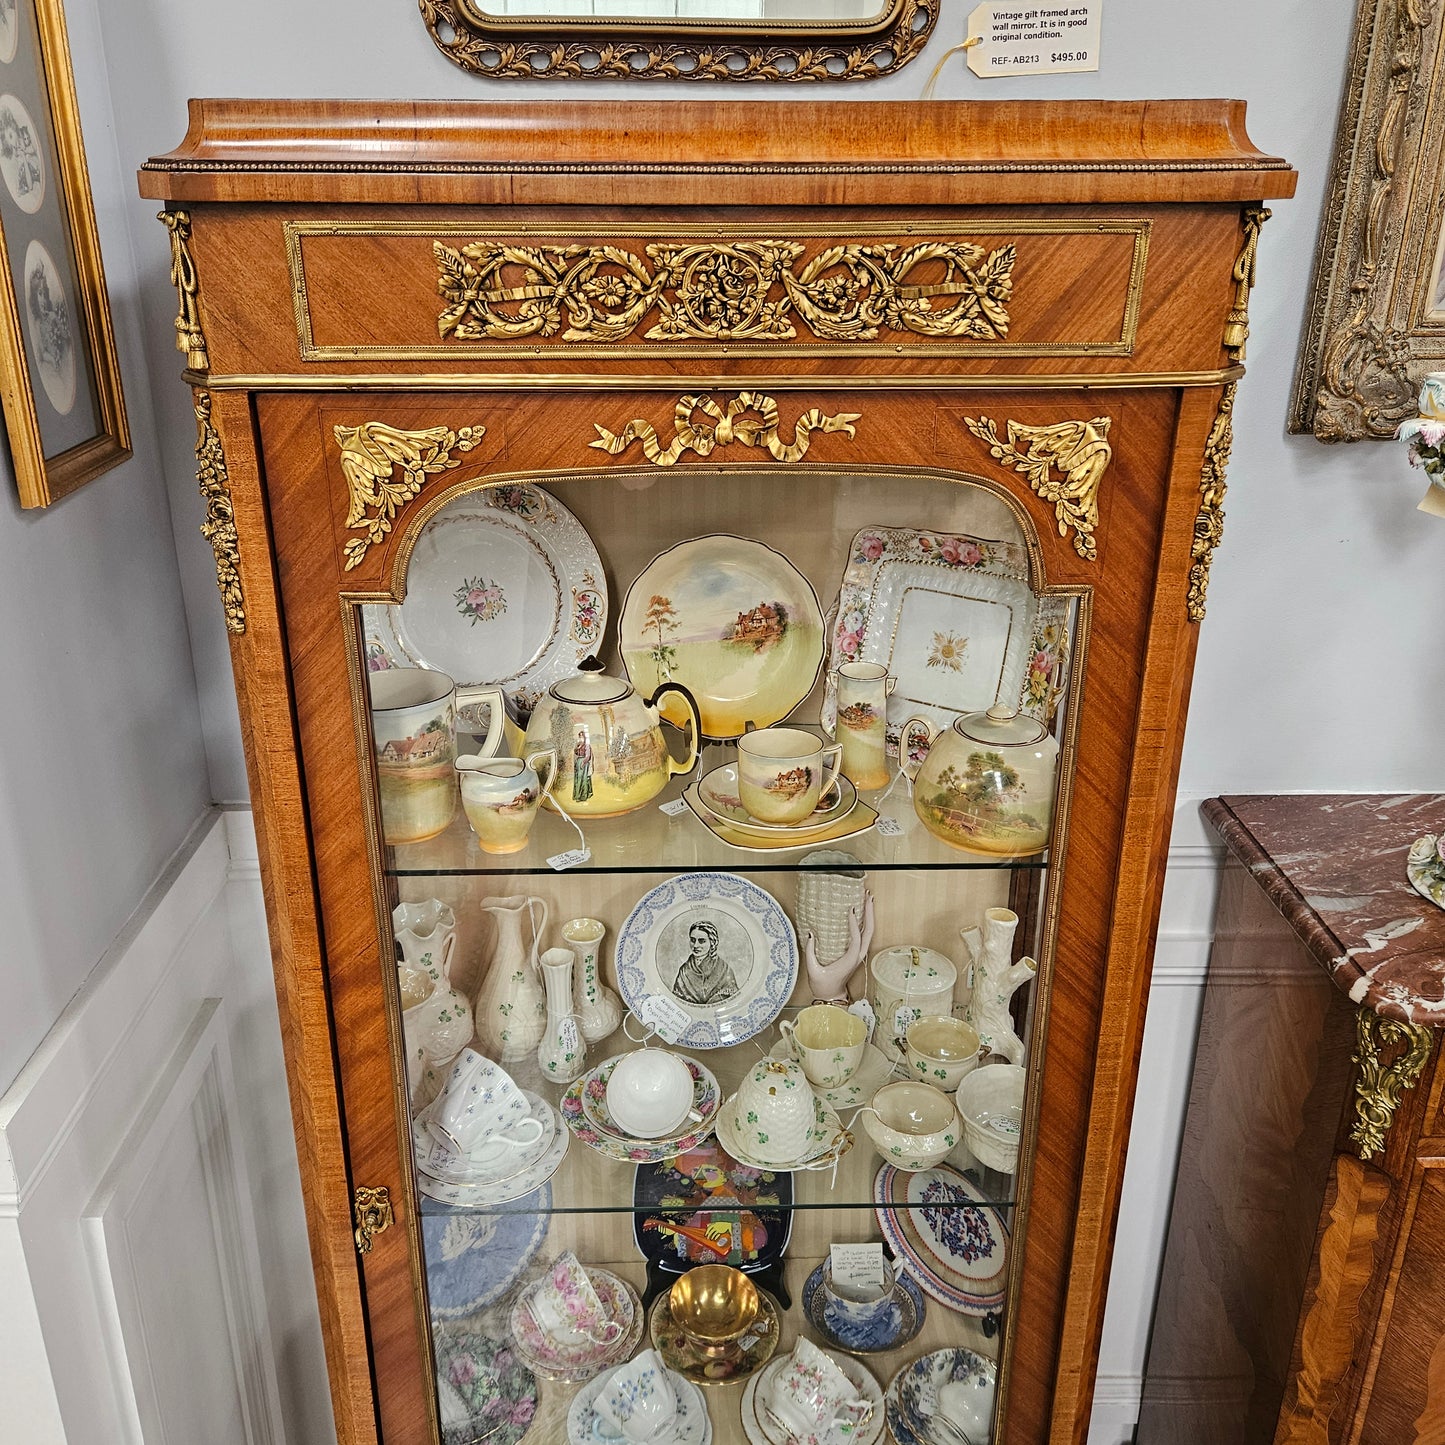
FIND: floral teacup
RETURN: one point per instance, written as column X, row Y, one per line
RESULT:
column 566, row 1306
column 481, row 1111
column 639, row 1399
column 813, row 1396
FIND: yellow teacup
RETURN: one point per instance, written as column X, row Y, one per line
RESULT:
column 782, row 772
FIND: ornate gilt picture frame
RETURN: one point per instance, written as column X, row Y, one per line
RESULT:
column 479, row 37
column 59, row 378
column 1376, row 321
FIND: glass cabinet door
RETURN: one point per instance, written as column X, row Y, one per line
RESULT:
column 623, row 977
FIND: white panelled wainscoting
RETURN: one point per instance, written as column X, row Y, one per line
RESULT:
column 153, row 1258
column 154, row 1272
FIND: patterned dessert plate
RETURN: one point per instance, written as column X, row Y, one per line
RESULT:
column 484, row 1389
column 731, row 620
column 504, row 587
column 952, row 1242
column 707, row 959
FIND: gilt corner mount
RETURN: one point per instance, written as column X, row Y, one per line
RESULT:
column 1376, row 318
column 579, row 46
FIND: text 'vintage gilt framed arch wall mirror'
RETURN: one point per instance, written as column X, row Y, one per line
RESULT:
column 777, row 40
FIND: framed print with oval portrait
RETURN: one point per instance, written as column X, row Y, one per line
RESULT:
column 59, row 379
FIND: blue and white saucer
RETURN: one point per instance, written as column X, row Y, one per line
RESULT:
column 892, row 1328
column 474, row 1258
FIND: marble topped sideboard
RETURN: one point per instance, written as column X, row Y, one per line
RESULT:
column 1300, row 1296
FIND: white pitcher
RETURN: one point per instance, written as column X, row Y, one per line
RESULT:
column 436, row 1018
column 511, row 1007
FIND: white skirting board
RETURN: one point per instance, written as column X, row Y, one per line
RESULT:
column 155, row 1282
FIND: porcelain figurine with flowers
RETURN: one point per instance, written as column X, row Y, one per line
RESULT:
column 1425, row 437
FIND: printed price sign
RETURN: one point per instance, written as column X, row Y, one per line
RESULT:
column 857, row 1268
column 673, row 808
column 1042, row 39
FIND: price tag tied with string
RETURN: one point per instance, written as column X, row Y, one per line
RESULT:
column 1049, row 38
column 666, row 1017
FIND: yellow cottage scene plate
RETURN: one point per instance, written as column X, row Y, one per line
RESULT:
column 858, row 819
column 731, row 620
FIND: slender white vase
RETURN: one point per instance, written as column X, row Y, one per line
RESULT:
column 598, row 1009
column 562, row 1055
column 995, row 981
column 511, row 1007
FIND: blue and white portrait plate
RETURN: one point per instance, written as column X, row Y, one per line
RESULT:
column 472, row 1257
column 707, row 959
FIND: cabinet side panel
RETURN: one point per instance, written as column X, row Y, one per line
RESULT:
column 263, row 690
column 1270, row 1077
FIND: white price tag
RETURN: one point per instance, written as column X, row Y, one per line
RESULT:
column 1047, row 38
column 569, row 1036
column 673, row 808
column 864, row 1010
column 562, row 861
column 668, row 1018
column 858, row 1268
column 902, row 1017
column 890, row 827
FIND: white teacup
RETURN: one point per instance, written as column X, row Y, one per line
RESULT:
column 566, row 1307
column 649, row 1093
column 813, row 1396
column 639, row 1399
column 481, row 1111
column 782, row 772
column 828, row 1041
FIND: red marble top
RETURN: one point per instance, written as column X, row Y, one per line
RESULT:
column 1334, row 866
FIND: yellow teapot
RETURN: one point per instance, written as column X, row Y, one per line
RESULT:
column 611, row 757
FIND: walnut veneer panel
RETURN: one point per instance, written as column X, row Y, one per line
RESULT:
column 1270, row 1070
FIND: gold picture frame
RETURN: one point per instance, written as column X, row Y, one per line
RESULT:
column 1376, row 318
column 488, row 42
column 59, row 378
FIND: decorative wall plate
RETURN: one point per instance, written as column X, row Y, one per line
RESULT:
column 708, row 959
column 731, row 620
column 473, row 1259
column 504, row 588
column 704, row 1207
column 952, row 1242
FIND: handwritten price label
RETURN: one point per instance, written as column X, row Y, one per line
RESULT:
column 562, row 861
column 1041, row 39
column 673, row 808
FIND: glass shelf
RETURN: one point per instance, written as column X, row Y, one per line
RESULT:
column 651, row 841
column 590, row 1183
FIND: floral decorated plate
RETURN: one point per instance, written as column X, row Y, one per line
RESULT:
column 941, row 1230
column 707, row 959
column 731, row 620
column 572, row 1363
column 504, row 588
column 891, row 1330
column 717, row 791
column 958, row 1380
column 704, row 1207
column 690, row 1425
column 954, row 619
column 485, row 1391
column 706, row 1096
column 762, row 1429
column 473, row 1259
column 828, row 1141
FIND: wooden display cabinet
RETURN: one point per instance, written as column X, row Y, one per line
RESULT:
column 1023, row 321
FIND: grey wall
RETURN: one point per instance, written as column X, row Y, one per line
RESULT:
column 102, row 771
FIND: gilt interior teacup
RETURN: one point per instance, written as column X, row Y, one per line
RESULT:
column 782, row 772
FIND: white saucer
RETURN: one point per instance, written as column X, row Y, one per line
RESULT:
column 490, row 1192
column 761, row 1430
column 872, row 1074
column 691, row 1424
column 827, row 1141
column 490, row 1163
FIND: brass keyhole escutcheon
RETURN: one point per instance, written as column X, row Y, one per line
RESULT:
column 371, row 1209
